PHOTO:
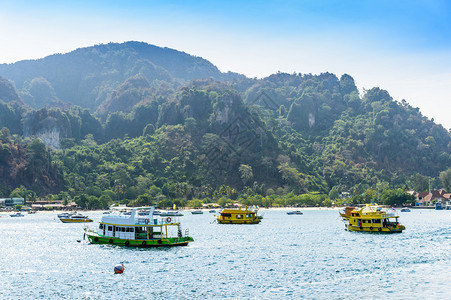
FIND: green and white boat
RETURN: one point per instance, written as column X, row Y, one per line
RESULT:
column 139, row 230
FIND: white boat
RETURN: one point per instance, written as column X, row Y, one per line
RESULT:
column 65, row 215
column 76, row 218
column 171, row 214
column 18, row 214
column 139, row 230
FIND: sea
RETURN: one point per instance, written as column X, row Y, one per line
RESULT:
column 309, row 256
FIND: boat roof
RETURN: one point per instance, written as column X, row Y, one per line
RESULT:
column 241, row 209
column 128, row 219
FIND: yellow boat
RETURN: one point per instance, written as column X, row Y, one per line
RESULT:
column 241, row 215
column 374, row 218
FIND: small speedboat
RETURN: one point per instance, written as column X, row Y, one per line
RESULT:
column 212, row 211
column 76, row 218
column 17, row 215
column 197, row 212
column 295, row 212
column 405, row 209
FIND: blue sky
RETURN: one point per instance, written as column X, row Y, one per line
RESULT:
column 401, row 46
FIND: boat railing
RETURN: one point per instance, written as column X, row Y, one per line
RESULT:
column 161, row 221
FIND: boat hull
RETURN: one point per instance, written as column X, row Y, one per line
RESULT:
column 396, row 229
column 256, row 221
column 165, row 242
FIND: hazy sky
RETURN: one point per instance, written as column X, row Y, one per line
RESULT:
column 401, row 46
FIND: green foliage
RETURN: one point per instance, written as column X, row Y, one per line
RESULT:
column 195, row 203
column 445, row 178
column 396, row 197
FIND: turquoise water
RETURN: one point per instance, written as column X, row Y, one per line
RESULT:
column 285, row 257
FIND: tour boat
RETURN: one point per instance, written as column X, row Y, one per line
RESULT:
column 241, row 215
column 374, row 218
column 137, row 230
column 75, row 218
column 296, row 212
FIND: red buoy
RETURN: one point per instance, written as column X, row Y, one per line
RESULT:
column 119, row 269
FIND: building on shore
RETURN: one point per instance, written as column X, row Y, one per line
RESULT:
column 11, row 202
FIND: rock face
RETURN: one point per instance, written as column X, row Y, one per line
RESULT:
column 50, row 125
column 50, row 138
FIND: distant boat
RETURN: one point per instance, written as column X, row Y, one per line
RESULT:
column 296, row 212
column 241, row 215
column 405, row 209
column 212, row 211
column 171, row 214
column 197, row 212
column 18, row 214
column 438, row 206
column 76, row 218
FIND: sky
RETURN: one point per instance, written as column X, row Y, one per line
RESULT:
column 402, row 46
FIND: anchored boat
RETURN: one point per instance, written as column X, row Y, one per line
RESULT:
column 295, row 212
column 374, row 218
column 241, row 215
column 139, row 230
column 16, row 215
column 75, row 218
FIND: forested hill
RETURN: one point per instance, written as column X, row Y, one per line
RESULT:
column 88, row 76
column 167, row 125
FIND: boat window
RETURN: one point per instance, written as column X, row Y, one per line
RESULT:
column 127, row 229
column 131, row 229
column 123, row 229
column 110, row 228
column 239, row 216
column 101, row 226
column 377, row 221
column 227, row 215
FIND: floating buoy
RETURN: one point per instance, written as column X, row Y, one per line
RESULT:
column 119, row 269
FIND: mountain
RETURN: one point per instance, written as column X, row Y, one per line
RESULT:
column 143, row 120
column 87, row 77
